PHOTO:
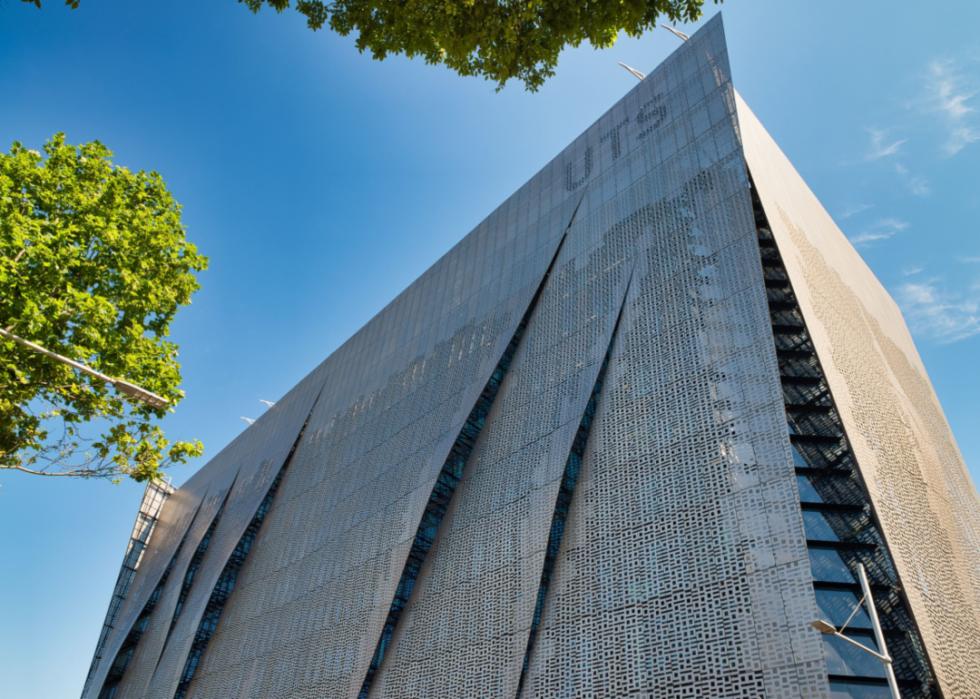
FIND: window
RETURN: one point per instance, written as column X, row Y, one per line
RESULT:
column 818, row 526
column 808, row 493
column 826, row 565
column 846, row 659
column 836, row 605
column 843, row 689
column 798, row 459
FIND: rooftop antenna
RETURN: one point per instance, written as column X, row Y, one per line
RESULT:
column 632, row 71
column 679, row 34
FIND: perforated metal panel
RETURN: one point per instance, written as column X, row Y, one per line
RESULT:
column 242, row 472
column 486, row 564
column 922, row 495
column 155, row 494
column 682, row 569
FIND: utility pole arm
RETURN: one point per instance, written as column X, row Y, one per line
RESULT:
column 125, row 387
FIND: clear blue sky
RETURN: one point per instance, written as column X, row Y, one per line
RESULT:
column 321, row 183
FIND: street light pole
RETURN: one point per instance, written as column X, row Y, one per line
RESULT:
column 639, row 75
column 679, row 34
column 125, row 387
column 825, row 627
column 879, row 636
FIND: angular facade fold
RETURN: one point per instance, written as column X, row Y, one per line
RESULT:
column 629, row 437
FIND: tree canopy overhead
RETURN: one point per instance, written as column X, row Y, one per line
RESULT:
column 499, row 40
column 94, row 264
column 496, row 39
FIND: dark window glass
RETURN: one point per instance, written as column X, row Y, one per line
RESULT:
column 799, row 460
column 846, row 659
column 818, row 527
column 807, row 492
column 841, row 689
column 836, row 605
column 828, row 566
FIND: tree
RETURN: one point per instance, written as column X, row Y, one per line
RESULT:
column 496, row 39
column 93, row 265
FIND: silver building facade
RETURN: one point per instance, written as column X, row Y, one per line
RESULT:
column 628, row 438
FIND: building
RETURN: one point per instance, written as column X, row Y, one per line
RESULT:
column 629, row 437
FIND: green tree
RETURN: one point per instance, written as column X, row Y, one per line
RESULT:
column 93, row 265
column 496, row 39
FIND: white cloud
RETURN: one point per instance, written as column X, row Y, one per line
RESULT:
column 951, row 100
column 961, row 137
column 892, row 223
column 867, row 238
column 917, row 186
column 854, row 210
column 969, row 259
column 879, row 148
column 912, row 271
column 938, row 314
column 883, row 147
column 883, row 229
column 949, row 94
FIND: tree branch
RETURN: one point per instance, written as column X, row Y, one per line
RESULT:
column 77, row 473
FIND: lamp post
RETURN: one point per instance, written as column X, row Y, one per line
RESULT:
column 125, row 387
column 680, row 35
column 825, row 627
column 639, row 75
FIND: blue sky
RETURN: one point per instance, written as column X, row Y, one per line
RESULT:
column 321, row 183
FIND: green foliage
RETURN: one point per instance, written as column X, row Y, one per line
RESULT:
column 93, row 265
column 496, row 39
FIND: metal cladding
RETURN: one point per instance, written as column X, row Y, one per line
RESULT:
column 558, row 464
column 916, row 478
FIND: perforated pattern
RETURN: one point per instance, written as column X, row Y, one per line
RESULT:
column 908, row 458
column 488, row 558
column 249, row 463
column 154, row 496
column 682, row 570
column 349, row 508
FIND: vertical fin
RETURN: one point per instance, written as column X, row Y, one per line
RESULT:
column 154, row 496
column 191, row 572
column 120, row 661
column 225, row 584
column 566, row 490
column 449, row 477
